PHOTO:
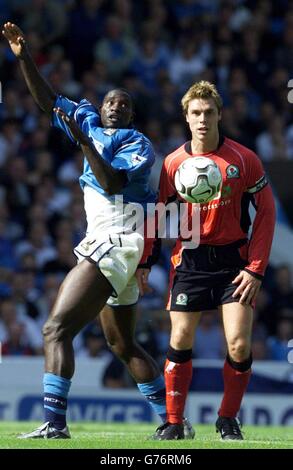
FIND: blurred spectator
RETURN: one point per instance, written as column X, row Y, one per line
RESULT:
column 123, row 9
column 17, row 190
column 43, row 166
column 50, row 286
column 272, row 144
column 10, row 139
column 70, row 170
column 94, row 343
column 25, row 293
column 240, row 108
column 69, row 86
column 116, row 50
column 281, row 293
column 85, row 26
column 55, row 57
column 48, row 19
column 12, row 324
column 53, row 198
column 260, row 331
column 115, row 375
column 187, row 64
column 63, row 261
column 222, row 66
column 39, row 243
column 158, row 282
column 31, row 114
column 13, row 346
column 176, row 137
column 278, row 344
column 161, row 324
column 13, row 109
column 7, row 257
column 209, row 342
column 148, row 64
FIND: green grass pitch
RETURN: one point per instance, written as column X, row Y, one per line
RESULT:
column 136, row 436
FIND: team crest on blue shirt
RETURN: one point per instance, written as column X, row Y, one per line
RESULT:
column 136, row 159
column 109, row 131
column 232, row 171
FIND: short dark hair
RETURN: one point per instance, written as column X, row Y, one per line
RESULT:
column 120, row 90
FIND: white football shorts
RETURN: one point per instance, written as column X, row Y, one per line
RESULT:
column 116, row 254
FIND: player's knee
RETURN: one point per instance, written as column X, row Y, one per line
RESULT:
column 239, row 349
column 54, row 330
column 182, row 337
column 122, row 349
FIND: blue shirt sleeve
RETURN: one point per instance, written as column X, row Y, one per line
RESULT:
column 79, row 111
column 69, row 107
column 134, row 157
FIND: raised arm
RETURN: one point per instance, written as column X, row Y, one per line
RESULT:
column 41, row 91
column 111, row 180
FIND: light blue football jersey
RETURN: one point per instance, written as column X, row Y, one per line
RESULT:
column 124, row 149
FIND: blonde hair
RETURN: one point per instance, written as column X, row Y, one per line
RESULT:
column 204, row 90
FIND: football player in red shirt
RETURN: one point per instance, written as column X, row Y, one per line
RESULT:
column 225, row 271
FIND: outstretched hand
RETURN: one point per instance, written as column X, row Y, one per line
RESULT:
column 15, row 37
column 142, row 276
column 72, row 125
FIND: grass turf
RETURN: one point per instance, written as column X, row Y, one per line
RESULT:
column 136, row 436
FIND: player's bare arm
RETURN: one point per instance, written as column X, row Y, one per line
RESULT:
column 142, row 275
column 248, row 287
column 110, row 179
column 39, row 88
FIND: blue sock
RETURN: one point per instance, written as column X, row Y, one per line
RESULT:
column 155, row 393
column 56, row 390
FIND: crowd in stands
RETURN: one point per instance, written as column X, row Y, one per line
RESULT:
column 156, row 49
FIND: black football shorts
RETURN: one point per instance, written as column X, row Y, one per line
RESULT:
column 203, row 279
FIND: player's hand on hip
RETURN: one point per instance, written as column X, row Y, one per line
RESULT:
column 248, row 287
column 15, row 37
column 72, row 125
column 142, row 275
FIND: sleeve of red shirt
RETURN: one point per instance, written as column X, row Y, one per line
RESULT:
column 151, row 243
column 264, row 222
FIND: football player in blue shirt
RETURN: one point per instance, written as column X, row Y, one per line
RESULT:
column 117, row 161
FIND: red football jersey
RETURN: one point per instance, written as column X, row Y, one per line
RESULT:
column 226, row 219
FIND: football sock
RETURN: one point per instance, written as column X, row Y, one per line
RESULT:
column 56, row 390
column 236, row 378
column 155, row 393
column 178, row 374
